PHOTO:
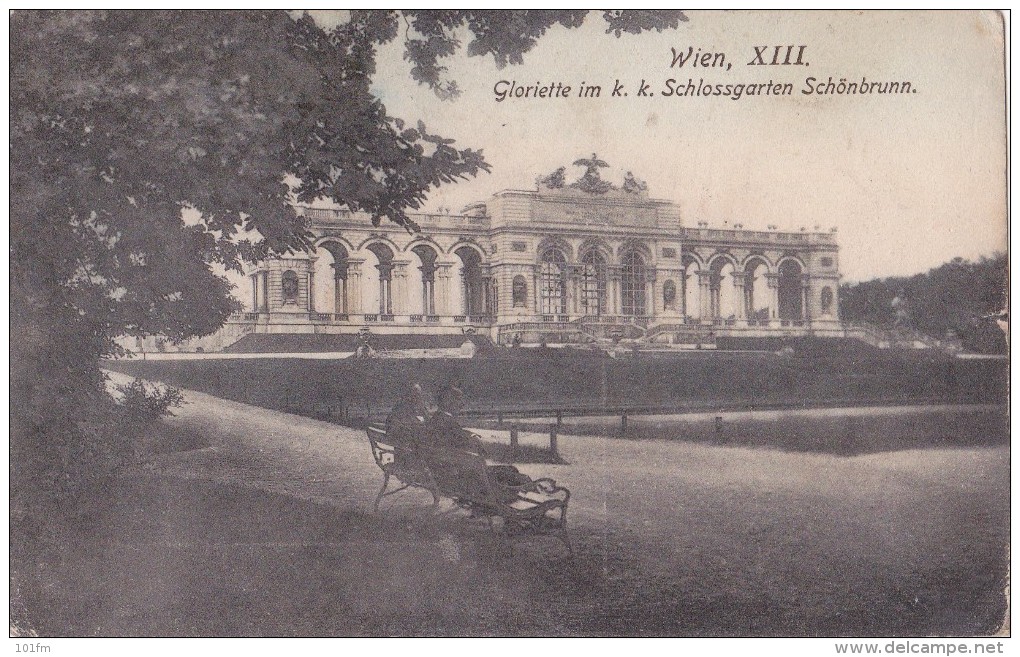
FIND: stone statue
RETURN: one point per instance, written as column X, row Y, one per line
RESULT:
column 591, row 181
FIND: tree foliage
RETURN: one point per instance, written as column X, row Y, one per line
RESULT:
column 148, row 148
column 959, row 296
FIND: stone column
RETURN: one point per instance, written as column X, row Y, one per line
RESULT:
column 705, row 294
column 574, row 304
column 354, row 286
column 773, row 282
column 265, row 292
column 401, row 289
column 805, row 304
column 254, row 293
column 444, row 277
column 615, row 303
column 311, row 290
column 650, row 295
column 682, row 293
column 339, row 288
column 537, row 292
column 739, row 278
column 428, row 291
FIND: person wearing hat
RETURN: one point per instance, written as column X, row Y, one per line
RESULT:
column 406, row 421
column 444, row 430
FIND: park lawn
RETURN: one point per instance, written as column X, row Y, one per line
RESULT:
column 264, row 533
column 370, row 388
column 843, row 431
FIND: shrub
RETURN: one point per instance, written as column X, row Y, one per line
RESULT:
column 145, row 403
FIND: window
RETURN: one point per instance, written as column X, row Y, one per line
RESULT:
column 668, row 294
column 493, row 306
column 290, row 286
column 826, row 300
column 826, row 262
column 520, row 292
column 553, row 279
column 593, row 284
column 633, row 285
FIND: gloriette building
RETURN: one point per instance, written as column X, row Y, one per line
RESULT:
column 581, row 262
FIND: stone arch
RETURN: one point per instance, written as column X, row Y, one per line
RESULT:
column 330, row 291
column 757, row 295
column 472, row 285
column 367, row 243
column 337, row 239
column 423, row 282
column 790, row 257
column 596, row 245
column 634, row 246
column 692, row 257
column 690, row 285
column 759, row 257
column 557, row 243
column 722, row 287
column 791, row 289
column 423, row 240
column 715, row 258
column 466, row 244
column 377, row 285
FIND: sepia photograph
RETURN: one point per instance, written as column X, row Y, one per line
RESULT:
column 510, row 323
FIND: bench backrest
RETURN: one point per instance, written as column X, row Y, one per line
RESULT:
column 386, row 445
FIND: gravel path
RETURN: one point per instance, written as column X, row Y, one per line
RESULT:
column 813, row 538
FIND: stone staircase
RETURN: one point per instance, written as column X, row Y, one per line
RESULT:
column 900, row 337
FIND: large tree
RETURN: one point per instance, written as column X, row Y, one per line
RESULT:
column 959, row 296
column 147, row 148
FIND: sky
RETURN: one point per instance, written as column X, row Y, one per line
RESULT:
column 908, row 180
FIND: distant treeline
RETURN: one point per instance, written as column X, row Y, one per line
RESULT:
column 957, row 296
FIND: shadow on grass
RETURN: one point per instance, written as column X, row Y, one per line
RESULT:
column 849, row 435
column 174, row 557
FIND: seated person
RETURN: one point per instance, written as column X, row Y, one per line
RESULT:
column 406, row 421
column 444, row 430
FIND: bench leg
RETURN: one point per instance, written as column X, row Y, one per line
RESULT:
column 382, row 491
column 564, row 536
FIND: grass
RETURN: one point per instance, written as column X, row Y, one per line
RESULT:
column 843, row 434
column 370, row 388
column 501, row 452
column 671, row 539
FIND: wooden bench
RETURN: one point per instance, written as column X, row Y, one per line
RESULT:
column 399, row 458
column 538, row 506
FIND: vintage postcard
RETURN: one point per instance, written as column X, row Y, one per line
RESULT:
column 517, row 323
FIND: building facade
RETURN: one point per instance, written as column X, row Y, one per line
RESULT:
column 568, row 263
